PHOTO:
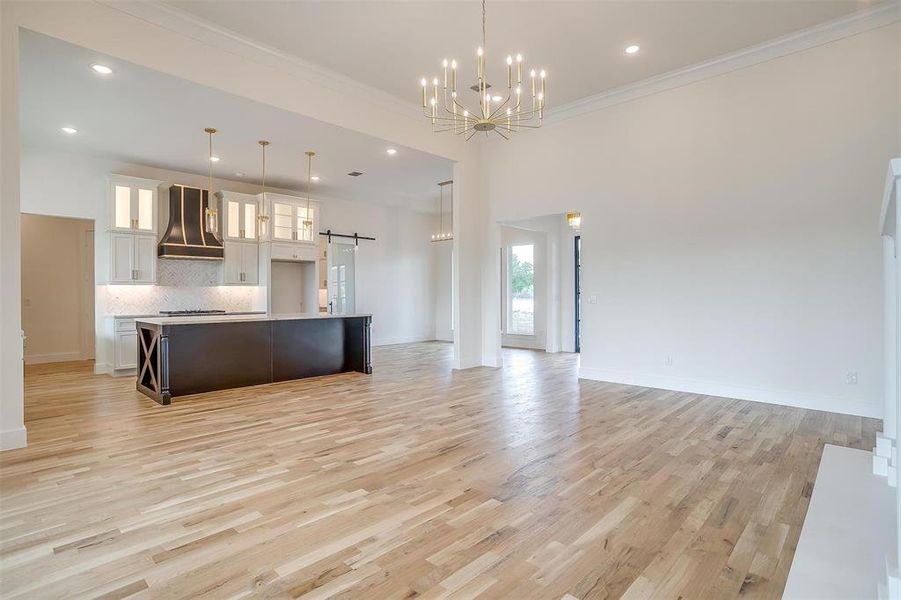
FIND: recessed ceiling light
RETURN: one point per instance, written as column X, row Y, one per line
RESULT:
column 392, row 151
column 315, row 177
column 214, row 159
column 497, row 98
column 69, row 130
column 239, row 174
column 633, row 49
column 102, row 69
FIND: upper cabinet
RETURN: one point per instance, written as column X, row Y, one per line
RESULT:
column 291, row 219
column 240, row 216
column 133, row 204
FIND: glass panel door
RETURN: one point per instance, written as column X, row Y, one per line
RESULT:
column 282, row 226
column 521, row 290
column 123, row 207
column 304, row 224
column 250, row 221
column 342, row 300
column 145, row 209
column 234, row 220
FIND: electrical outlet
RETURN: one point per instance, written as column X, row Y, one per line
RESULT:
column 593, row 299
column 851, row 378
column 668, row 360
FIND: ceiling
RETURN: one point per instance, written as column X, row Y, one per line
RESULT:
column 141, row 116
column 391, row 45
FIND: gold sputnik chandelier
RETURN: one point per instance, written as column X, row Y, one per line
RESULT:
column 502, row 113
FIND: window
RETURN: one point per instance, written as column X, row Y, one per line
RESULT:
column 521, row 290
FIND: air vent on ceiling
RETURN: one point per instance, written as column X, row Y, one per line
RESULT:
column 354, row 173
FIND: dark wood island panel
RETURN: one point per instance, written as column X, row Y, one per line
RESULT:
column 179, row 356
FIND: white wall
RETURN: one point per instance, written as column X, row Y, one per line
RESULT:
column 730, row 224
column 442, row 272
column 57, row 281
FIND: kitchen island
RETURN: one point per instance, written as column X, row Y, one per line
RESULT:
column 178, row 356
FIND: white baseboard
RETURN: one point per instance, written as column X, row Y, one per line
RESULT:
column 468, row 362
column 38, row 359
column 492, row 360
column 724, row 390
column 402, row 340
column 102, row 368
column 10, row 439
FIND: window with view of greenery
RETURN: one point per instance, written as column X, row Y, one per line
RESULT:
column 521, row 290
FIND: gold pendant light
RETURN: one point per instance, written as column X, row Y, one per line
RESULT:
column 308, row 219
column 211, row 214
column 501, row 112
column 263, row 218
column 443, row 236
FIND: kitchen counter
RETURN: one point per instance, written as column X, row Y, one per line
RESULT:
column 243, row 317
column 178, row 356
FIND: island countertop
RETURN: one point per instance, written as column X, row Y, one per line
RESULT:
column 208, row 319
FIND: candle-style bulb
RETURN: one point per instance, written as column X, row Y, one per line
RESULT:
column 509, row 60
column 543, row 74
column 435, row 81
column 479, row 51
column 444, row 63
column 454, row 64
column 532, row 74
column 424, row 82
column 519, row 58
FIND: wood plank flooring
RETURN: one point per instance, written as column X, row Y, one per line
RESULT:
column 415, row 482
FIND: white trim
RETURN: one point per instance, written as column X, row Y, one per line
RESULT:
column 186, row 24
column 53, row 357
column 858, row 22
column 11, row 439
column 467, row 362
column 738, row 392
column 413, row 339
column 495, row 361
column 102, row 368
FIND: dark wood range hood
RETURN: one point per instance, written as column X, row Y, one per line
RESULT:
column 186, row 235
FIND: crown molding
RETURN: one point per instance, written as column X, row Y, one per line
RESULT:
column 181, row 22
column 858, row 22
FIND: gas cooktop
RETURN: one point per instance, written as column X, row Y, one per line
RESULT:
column 191, row 312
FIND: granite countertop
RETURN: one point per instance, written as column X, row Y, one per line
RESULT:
column 235, row 318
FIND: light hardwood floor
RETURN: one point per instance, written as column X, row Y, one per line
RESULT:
column 414, row 482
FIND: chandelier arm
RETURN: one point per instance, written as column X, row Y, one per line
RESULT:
column 458, row 115
column 498, row 131
column 469, row 137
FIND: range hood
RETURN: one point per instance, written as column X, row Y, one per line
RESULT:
column 186, row 235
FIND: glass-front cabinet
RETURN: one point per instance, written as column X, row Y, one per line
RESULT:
column 134, row 204
column 239, row 216
column 291, row 221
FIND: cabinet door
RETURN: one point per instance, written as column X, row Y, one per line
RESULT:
column 143, row 209
column 145, row 258
column 122, row 207
column 126, row 350
column 251, row 264
column 122, row 258
column 232, row 219
column 232, row 265
column 306, row 223
column 249, row 220
column 282, row 221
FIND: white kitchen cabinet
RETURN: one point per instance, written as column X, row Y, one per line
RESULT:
column 125, row 350
column 240, row 216
column 286, row 251
column 133, row 204
column 289, row 220
column 242, row 263
column 132, row 258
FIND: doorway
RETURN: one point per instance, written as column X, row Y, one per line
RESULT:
column 57, row 289
column 341, row 279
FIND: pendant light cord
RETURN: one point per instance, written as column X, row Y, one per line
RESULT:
column 484, row 46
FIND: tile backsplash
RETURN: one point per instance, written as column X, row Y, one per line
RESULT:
column 181, row 285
